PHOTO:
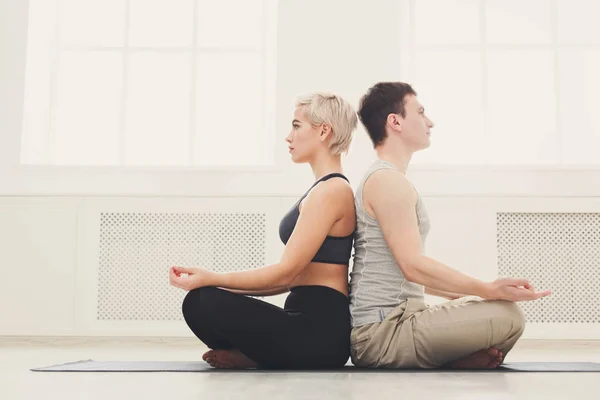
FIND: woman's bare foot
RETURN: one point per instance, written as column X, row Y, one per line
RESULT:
column 483, row 359
column 229, row 358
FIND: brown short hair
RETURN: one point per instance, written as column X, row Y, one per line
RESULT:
column 381, row 100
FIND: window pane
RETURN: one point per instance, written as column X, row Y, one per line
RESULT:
column 580, row 105
column 447, row 22
column 521, row 107
column 161, row 23
column 88, row 108
column 92, row 22
column 230, row 23
column 158, row 109
column 36, row 107
column 229, row 109
column 578, row 21
column 452, row 97
column 517, row 21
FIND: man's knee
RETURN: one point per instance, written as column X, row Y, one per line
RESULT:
column 511, row 313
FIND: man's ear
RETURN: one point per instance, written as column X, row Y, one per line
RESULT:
column 395, row 122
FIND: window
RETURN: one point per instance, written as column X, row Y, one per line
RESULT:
column 150, row 83
column 506, row 81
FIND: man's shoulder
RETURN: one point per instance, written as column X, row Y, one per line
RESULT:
column 388, row 180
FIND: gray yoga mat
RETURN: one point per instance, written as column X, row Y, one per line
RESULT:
column 200, row 366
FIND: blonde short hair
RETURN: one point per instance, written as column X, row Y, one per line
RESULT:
column 327, row 108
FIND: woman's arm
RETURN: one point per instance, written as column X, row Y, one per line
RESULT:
column 320, row 211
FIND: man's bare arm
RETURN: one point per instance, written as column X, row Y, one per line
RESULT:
column 393, row 200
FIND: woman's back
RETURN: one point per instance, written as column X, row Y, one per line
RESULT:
column 329, row 266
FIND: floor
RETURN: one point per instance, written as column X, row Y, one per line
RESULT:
column 17, row 355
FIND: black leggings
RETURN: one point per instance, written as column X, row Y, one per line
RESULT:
column 313, row 331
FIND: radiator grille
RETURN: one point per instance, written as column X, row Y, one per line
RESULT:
column 557, row 251
column 137, row 249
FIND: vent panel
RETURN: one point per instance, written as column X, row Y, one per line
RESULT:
column 137, row 249
column 556, row 251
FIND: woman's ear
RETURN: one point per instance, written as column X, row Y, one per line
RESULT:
column 325, row 132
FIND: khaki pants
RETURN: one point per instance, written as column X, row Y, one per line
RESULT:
column 414, row 335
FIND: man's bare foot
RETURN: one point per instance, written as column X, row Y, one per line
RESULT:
column 229, row 358
column 483, row 359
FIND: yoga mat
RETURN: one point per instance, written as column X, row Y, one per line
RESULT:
column 200, row 366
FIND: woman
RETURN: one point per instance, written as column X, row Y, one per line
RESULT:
column 313, row 330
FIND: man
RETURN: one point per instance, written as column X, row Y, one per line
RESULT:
column 392, row 326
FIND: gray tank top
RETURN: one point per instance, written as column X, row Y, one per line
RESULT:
column 377, row 285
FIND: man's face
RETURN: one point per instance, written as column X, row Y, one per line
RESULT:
column 416, row 126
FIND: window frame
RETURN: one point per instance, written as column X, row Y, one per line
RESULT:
column 409, row 48
column 268, row 56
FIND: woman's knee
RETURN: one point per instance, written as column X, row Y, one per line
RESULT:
column 198, row 303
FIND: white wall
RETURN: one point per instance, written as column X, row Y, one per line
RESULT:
column 318, row 49
column 51, row 251
column 335, row 45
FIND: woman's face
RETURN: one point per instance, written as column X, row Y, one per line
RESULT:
column 304, row 139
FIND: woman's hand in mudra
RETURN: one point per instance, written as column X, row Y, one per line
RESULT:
column 190, row 278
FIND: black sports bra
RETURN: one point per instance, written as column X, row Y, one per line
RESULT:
column 335, row 249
